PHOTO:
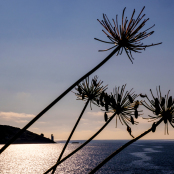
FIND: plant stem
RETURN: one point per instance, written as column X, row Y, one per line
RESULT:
column 56, row 100
column 82, row 144
column 123, row 147
column 54, row 169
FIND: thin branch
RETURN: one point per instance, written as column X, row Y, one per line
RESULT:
column 63, row 150
column 82, row 144
column 57, row 99
column 123, row 147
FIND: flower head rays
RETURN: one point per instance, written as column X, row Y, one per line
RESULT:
column 124, row 105
column 90, row 91
column 126, row 36
column 162, row 107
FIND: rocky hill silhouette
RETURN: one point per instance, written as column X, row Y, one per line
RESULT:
column 7, row 132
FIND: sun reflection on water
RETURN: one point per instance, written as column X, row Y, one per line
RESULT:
column 37, row 158
column 28, row 158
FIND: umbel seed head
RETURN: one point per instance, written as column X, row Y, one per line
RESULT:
column 126, row 36
column 123, row 104
column 91, row 91
column 162, row 107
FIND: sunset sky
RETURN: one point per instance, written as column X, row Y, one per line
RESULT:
column 45, row 46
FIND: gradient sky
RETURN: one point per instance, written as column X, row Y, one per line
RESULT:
column 45, row 46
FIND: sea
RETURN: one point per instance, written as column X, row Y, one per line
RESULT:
column 141, row 157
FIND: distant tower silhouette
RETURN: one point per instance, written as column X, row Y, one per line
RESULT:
column 52, row 137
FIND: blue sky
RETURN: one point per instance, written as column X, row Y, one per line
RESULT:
column 45, row 46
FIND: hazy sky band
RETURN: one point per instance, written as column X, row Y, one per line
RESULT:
column 46, row 46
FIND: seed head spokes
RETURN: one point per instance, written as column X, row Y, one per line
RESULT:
column 119, row 102
column 126, row 36
column 91, row 91
column 162, row 107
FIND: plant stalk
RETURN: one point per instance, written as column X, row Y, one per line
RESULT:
column 56, row 100
column 54, row 169
column 86, row 142
column 123, row 147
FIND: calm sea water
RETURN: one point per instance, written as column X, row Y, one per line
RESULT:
column 144, row 156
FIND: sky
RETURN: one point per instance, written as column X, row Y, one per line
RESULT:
column 45, row 46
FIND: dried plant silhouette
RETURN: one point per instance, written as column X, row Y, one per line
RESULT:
column 123, row 147
column 127, row 36
column 162, row 108
column 92, row 92
column 84, row 144
column 124, row 105
column 121, row 104
column 89, row 93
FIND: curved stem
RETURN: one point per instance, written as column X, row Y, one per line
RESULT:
column 123, row 147
column 56, row 100
column 71, row 135
column 82, row 144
